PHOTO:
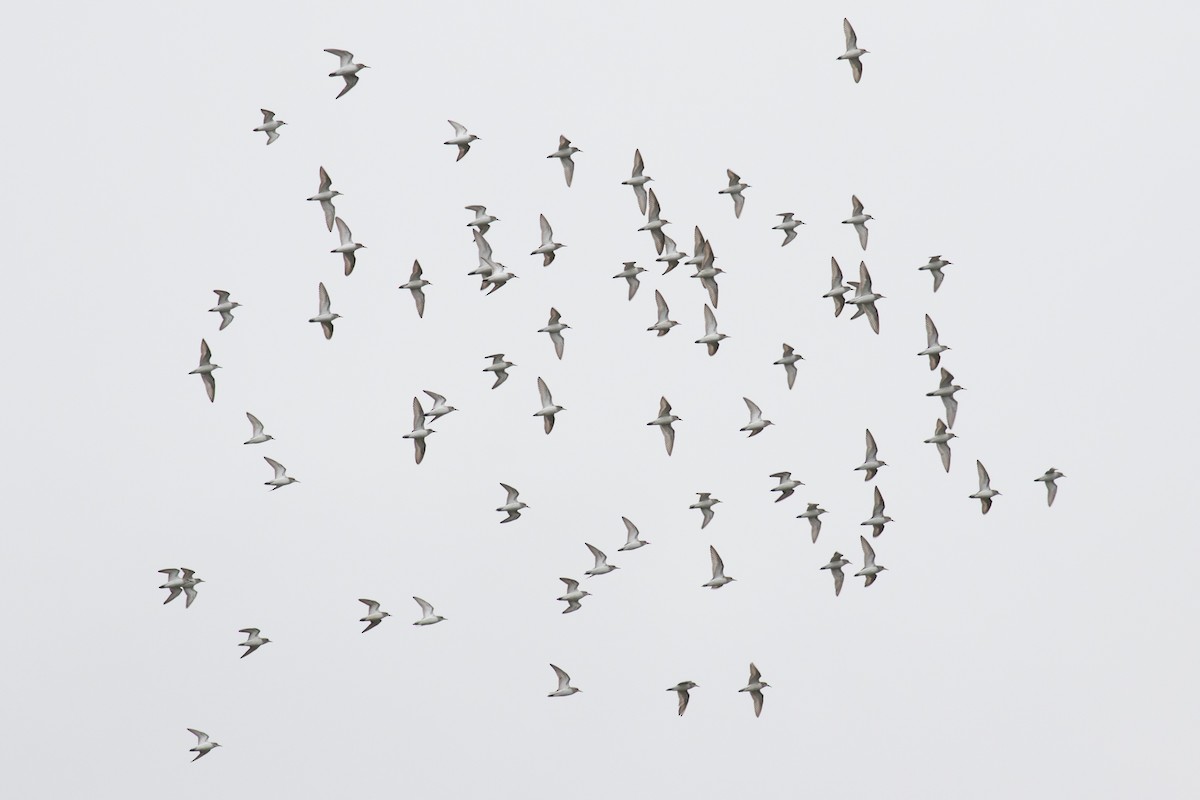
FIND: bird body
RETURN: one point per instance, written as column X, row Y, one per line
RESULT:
column 638, row 180
column 257, row 436
column 203, row 745
column 682, row 688
column 663, row 325
column 601, row 567
column 933, row 348
column 565, row 689
column 419, row 432
column 633, row 536
column 630, row 274
column 837, row 290
column 1049, row 478
column 946, row 390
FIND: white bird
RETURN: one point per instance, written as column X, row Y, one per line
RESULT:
column 499, row 276
column 933, row 348
column 256, row 431
column 281, row 478
column 374, row 615
column 813, row 515
column 718, row 571
column 224, row 307
column 512, row 506
column 1049, row 479
column 707, row 273
column 439, row 407
column 270, row 126
column 671, row 255
column 664, row 421
column 837, row 289
column 416, row 284
column 786, row 487
column 788, row 226
column 859, row 220
column 253, row 640
column 638, row 180
column 499, row 367
column 601, row 567
column 177, row 583
column 573, row 596
column 864, row 297
column 325, row 196
column 663, row 325
column 788, row 361
column 935, row 269
column 853, row 52
column 205, row 371
column 419, row 432
column 324, row 315
column 348, row 246
column 698, row 241
column 941, row 437
column 486, row 265
column 946, row 389
column 835, row 568
column 203, row 745
column 682, row 688
column 755, row 687
column 555, row 327
column 757, row 424
column 986, row 492
column 655, row 223
column 461, row 138
column 871, row 463
column 711, row 337
column 548, row 246
column 563, row 153
column 427, row 615
column 565, row 689
column 734, row 190
column 482, row 222
column 630, row 274
column 870, row 568
column 878, row 518
column 347, row 70
column 633, row 536
column 548, row 409
column 705, row 505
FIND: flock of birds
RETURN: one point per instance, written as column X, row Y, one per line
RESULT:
column 494, row 275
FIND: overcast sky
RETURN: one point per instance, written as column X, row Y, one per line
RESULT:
column 1047, row 150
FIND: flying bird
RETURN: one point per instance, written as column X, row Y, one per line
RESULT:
column 180, row 580
column 682, row 690
column 671, row 255
column 325, row 196
column 253, row 641
column 224, row 307
column 878, row 518
column 601, row 567
column 941, row 437
column 837, row 289
column 555, row 327
column 630, row 274
column 548, row 246
column 711, row 337
column 813, row 515
column 734, row 190
column 707, row 273
column 859, row 220
column 256, row 431
column 270, row 126
column 439, row 407
column 757, row 424
column 573, row 595
column 655, row 223
column 203, row 745
column 705, row 505
column 698, row 241
column 870, row 568
column 638, row 180
column 499, row 276
column 548, row 409
column 324, row 315
column 786, row 487
column 935, row 269
column 933, row 347
column 871, row 463
column 563, row 153
column 788, row 361
column 718, row 571
column 461, row 138
column 419, row 432
column 755, row 687
column 482, row 222
column 348, row 246
column 281, row 478
column 986, row 492
column 864, row 298
column 946, row 389
column 347, row 70
column 633, row 536
column 835, row 568
column 1049, row 479
column 788, row 226
column 512, row 506
column 416, row 284
column 663, row 325
column 427, row 615
column 374, row 615
column 565, row 689
column 853, row 52
column 664, row 421
column 499, row 367
column 205, row 371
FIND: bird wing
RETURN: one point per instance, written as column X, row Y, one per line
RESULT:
column 426, row 609
column 205, row 353
column 947, row 379
column 568, row 169
column 640, row 193
column 559, row 342
column 758, row 702
column 275, row 465
column 663, row 311
column 669, row 437
column 512, row 493
column 459, row 130
column 210, row 385
column 856, row 68
column 698, row 241
column 631, row 531
column 708, row 516
column 255, row 425
column 739, row 200
column 372, row 606
column 664, row 408
column 858, row 206
column 755, row 411
column 201, row 736
column 544, row 393
column 872, row 316
column 345, row 56
column 864, row 279
column 325, row 183
column 250, row 632
column 836, row 269
column 322, row 299
column 171, row 574
column 868, row 551
column 851, row 38
column 343, row 231
column 872, row 448
column 654, row 208
column 638, row 164
column 838, row 578
column 350, row 80
column 718, row 566
column 563, row 142
column 564, row 680
column 547, row 233
column 554, row 316
column 572, row 584
column 268, row 116
column 879, row 504
column 734, row 180
column 222, row 296
column 683, row 700
column 944, row 452
column 755, row 675
column 938, row 277
column 418, row 414
column 710, row 321
column 984, row 480
column 438, row 400
column 1051, row 492
column 601, row 558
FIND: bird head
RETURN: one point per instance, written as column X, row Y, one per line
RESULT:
column 384, row 613
column 265, row 640
column 868, row 216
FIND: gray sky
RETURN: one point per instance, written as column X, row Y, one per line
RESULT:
column 1040, row 149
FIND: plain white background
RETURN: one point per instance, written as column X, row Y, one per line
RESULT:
column 1046, row 150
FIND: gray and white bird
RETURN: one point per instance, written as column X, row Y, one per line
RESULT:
column 788, row 362
column 270, row 126
column 698, row 241
column 499, row 276
column 374, row 615
column 486, row 265
column 986, row 492
column 203, row 745
column 281, row 478
column 498, row 367
column 878, row 518
column 257, row 436
column 757, row 424
column 253, row 641
column 548, row 409
column 786, row 487
column 205, row 371
column 665, row 421
column 512, row 504
column 427, row 615
column 719, row 578
column 859, row 220
column 419, row 432
column 788, row 225
column 671, row 254
column 946, row 389
column 555, row 327
column 416, row 284
column 1049, row 479
column 347, row 70
column 853, row 53
column 864, row 298
column 933, row 348
column 633, row 537
column 870, row 569
column 935, row 269
column 682, row 688
column 813, row 515
column 563, row 153
column 565, row 689
column 601, row 565
column 224, row 307
column 482, row 222
column 755, row 687
column 573, row 595
column 837, row 290
column 705, row 506
column 707, row 273
column 835, row 568
column 871, row 463
column 638, row 180
column 347, row 247
column 655, row 223
column 180, row 580
column 630, row 274
column 941, row 437
column 664, row 324
column 548, row 246
column 461, row 138
column 324, row 196
column 734, row 190
column 712, row 338
column 324, row 316
column 439, row 408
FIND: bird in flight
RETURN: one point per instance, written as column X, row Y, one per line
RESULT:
column 347, row 70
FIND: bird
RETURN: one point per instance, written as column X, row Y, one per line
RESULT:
column 486, row 265
column 707, row 274
column 757, row 424
column 205, row 371
column 416, row 284
column 813, row 515
column 548, row 409
column 483, row 220
column 878, row 518
column 439, row 407
column 203, row 745
column 427, row 615
column 555, row 327
column 324, row 315
column 253, row 641
column 499, row 276
column 374, row 615
column 601, row 567
column 630, row 274
column 633, row 537
column 788, row 226
column 498, row 366
column 347, row 70
column 461, row 138
column 270, row 126
column 859, row 220
column 755, row 687
column 864, row 297
column 837, row 289
column 190, row 581
column 548, row 244
column 941, row 437
column 563, row 153
column 853, row 52
column 665, row 421
column 711, row 337
column 734, row 190
column 1049, row 478
column 663, row 325
column 935, row 269
column 698, row 241
column 638, row 180
column 256, row 431
column 718, row 571
column 325, row 196
column 705, row 505
column 512, row 506
column 565, row 689
column 870, row 568
column 786, row 487
column 573, row 596
column 871, row 463
column 281, row 478
column 224, row 307
column 671, row 255
column 348, row 246
column 419, row 432
column 933, row 348
column 986, row 492
column 788, row 361
column 682, row 688
column 946, row 389
column 655, row 223
column 835, row 568
column 177, row 584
